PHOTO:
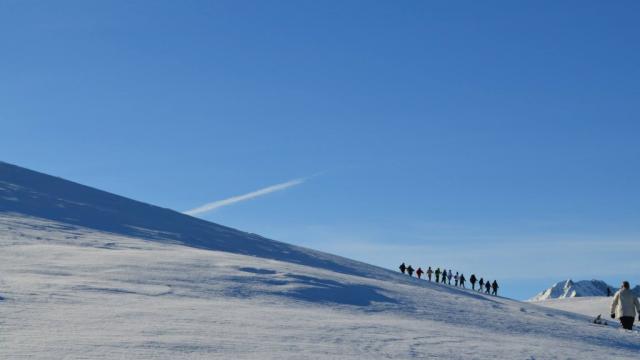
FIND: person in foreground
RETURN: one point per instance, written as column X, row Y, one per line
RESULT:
column 625, row 304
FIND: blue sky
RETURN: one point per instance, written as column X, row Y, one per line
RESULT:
column 498, row 137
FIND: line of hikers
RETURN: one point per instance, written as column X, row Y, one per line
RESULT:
column 445, row 276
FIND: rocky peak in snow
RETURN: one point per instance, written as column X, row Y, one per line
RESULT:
column 570, row 288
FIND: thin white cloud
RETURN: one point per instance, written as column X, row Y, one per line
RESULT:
column 252, row 195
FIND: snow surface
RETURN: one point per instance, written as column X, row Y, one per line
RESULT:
column 569, row 289
column 589, row 306
column 110, row 278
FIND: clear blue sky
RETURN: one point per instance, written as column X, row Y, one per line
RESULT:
column 496, row 137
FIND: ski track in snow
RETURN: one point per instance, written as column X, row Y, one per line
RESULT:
column 75, row 293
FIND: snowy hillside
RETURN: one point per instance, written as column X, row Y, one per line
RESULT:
column 589, row 305
column 586, row 305
column 35, row 194
column 569, row 289
column 89, row 275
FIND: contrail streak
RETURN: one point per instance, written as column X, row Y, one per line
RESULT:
column 234, row 199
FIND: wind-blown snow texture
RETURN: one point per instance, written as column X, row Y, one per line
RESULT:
column 569, row 289
column 86, row 274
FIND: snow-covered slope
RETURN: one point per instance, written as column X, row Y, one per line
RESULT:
column 75, row 286
column 569, row 289
column 588, row 305
column 39, row 195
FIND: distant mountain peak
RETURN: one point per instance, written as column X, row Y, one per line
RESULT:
column 570, row 288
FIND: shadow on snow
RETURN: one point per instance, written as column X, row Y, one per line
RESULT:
column 329, row 291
